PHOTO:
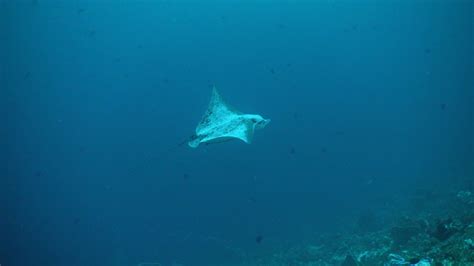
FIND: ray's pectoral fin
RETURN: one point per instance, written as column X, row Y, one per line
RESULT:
column 194, row 141
column 249, row 132
column 217, row 111
column 243, row 132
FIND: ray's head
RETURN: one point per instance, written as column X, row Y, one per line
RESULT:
column 259, row 121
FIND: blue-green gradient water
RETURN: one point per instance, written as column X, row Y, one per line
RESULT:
column 370, row 101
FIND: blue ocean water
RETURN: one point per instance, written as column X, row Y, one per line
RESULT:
column 369, row 101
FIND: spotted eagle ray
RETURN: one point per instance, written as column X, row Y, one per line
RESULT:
column 221, row 122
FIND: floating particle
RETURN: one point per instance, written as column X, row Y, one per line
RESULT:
column 292, row 151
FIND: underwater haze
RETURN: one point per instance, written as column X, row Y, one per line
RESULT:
column 371, row 138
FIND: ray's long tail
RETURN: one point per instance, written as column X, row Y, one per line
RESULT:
column 153, row 158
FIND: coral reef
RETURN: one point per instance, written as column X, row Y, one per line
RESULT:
column 429, row 236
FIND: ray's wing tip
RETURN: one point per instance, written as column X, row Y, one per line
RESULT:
column 214, row 90
column 194, row 143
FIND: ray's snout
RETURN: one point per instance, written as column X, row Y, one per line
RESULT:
column 262, row 123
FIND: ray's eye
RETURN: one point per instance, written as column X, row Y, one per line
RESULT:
column 254, row 120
